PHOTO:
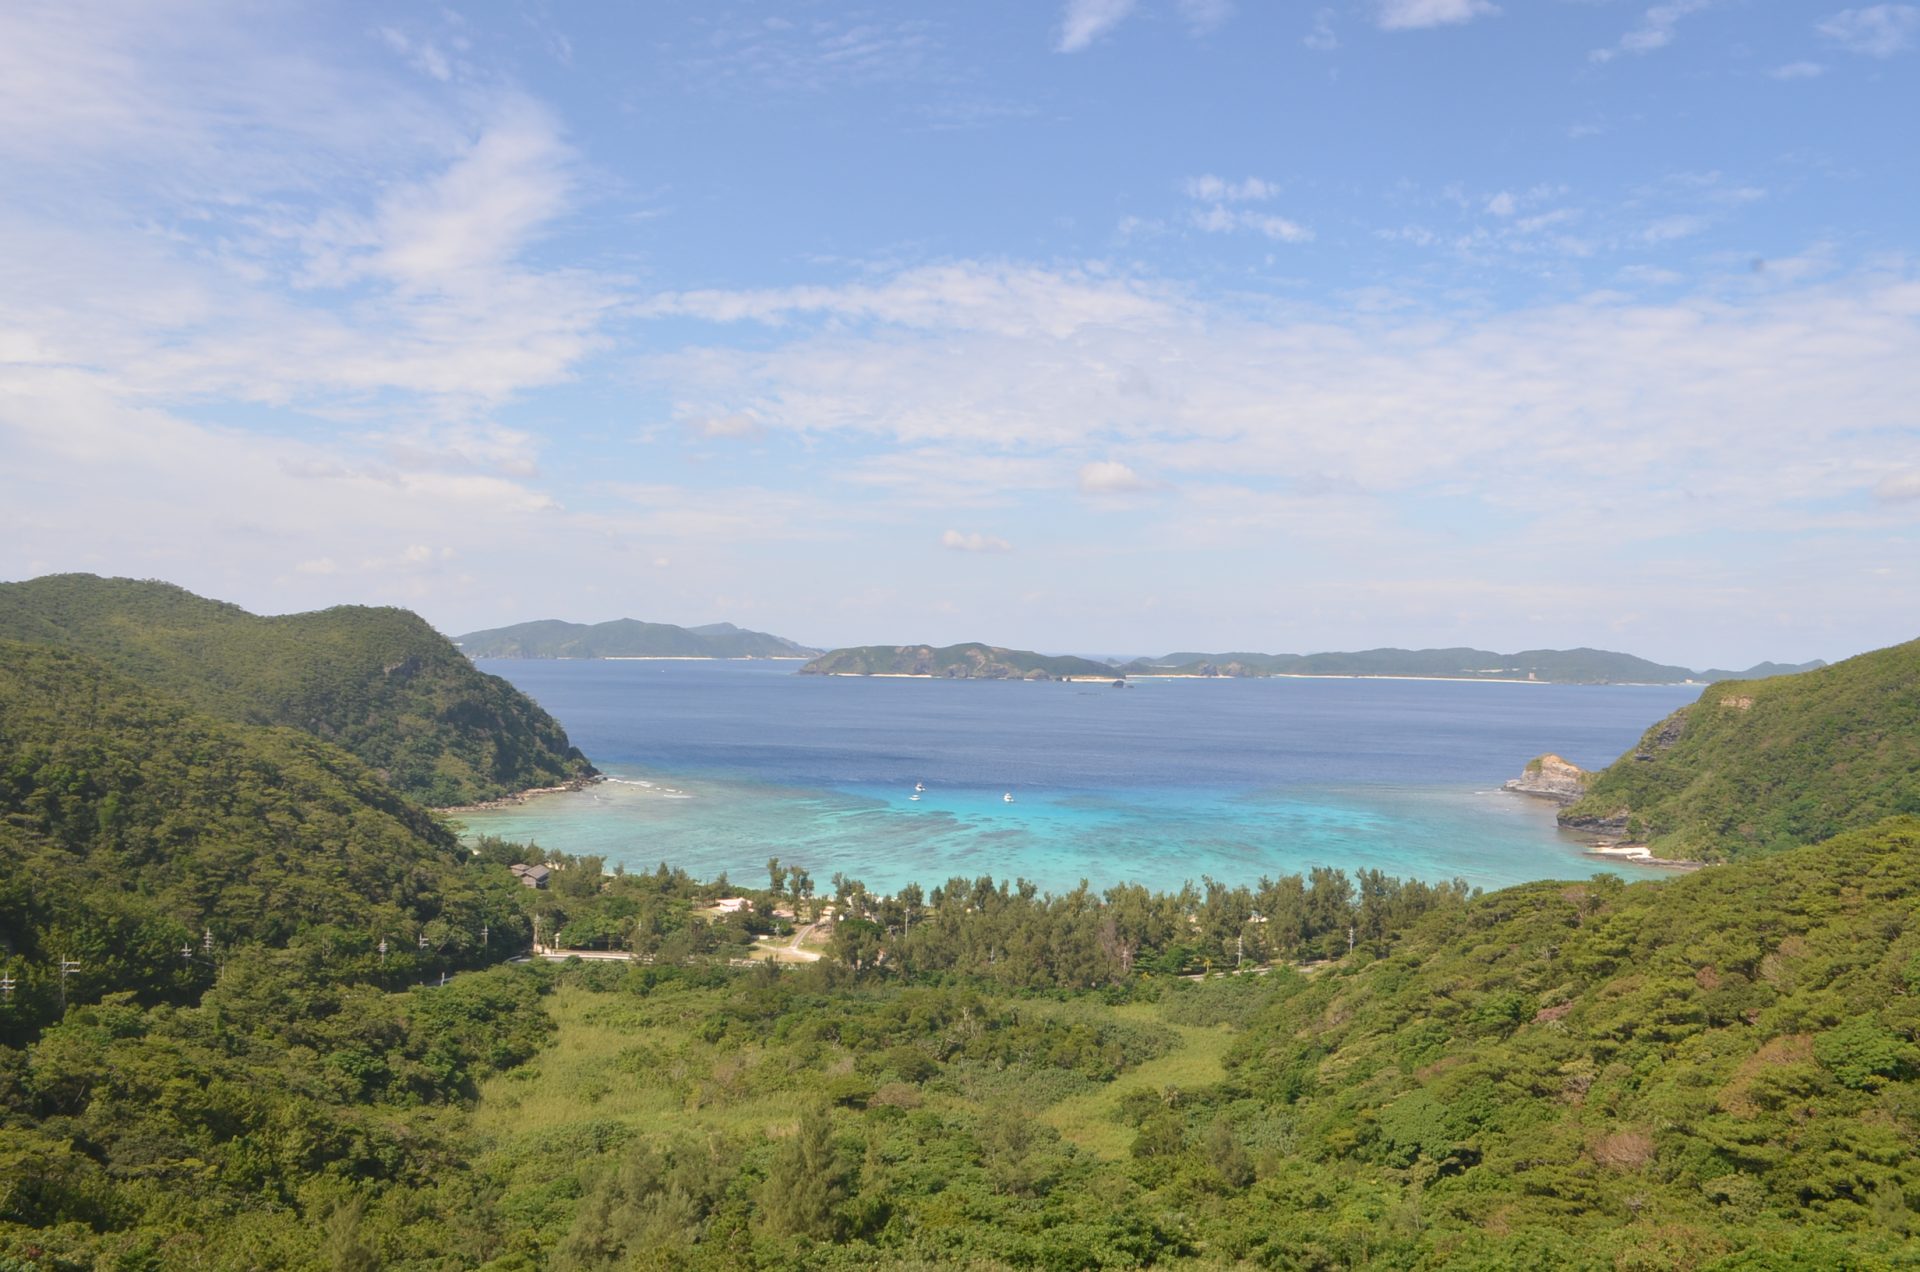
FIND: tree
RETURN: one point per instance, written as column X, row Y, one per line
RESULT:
column 806, row 1181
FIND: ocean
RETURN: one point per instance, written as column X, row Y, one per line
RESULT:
column 717, row 766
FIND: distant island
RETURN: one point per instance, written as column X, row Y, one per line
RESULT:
column 971, row 661
column 626, row 638
column 1555, row 666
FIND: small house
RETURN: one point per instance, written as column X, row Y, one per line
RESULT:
column 531, row 876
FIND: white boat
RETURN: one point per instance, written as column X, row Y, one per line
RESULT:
column 919, row 786
column 1007, row 798
column 915, row 795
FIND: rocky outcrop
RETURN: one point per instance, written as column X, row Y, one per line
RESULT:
column 1550, row 777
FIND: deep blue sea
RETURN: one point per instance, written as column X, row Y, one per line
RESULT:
column 717, row 766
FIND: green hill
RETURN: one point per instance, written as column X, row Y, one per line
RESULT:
column 1755, row 766
column 379, row 682
column 626, row 638
column 955, row 662
column 1562, row 666
column 131, row 824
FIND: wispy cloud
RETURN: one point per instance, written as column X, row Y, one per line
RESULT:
column 1217, row 217
column 1656, row 29
column 1203, row 16
column 1322, row 38
column 1212, row 189
column 1111, row 477
column 1085, row 21
column 1899, row 487
column 1880, row 30
column 1798, row 71
column 1413, row 15
column 955, row 541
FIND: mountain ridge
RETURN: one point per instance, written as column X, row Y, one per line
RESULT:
column 626, row 638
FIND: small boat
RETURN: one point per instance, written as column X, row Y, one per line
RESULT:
column 915, row 795
column 919, row 786
column 1007, row 798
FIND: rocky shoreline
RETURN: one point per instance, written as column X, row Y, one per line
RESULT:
column 521, row 797
column 1563, row 782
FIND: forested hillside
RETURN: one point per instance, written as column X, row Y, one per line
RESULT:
column 1756, row 766
column 380, row 683
column 131, row 825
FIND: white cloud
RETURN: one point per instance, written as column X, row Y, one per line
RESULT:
column 1410, row 15
column 975, row 542
column 1670, row 228
column 1212, row 189
column 1111, row 477
column 732, row 424
column 1322, row 38
column 1223, row 220
column 1085, row 21
column 1708, row 405
column 1899, row 487
column 1502, row 204
column 1656, row 29
column 1880, row 30
column 1798, row 71
column 423, row 55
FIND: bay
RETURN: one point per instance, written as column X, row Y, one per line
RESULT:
column 717, row 766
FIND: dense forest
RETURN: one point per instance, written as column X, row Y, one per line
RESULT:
column 1757, row 766
column 379, row 683
column 256, row 1011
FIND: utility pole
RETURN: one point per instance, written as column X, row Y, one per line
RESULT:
column 68, row 966
column 383, row 949
column 6, row 990
column 1349, row 938
column 483, row 936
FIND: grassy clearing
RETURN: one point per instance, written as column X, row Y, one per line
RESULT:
column 609, row 1063
column 1090, row 1120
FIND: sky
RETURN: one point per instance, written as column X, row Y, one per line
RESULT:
column 1106, row 326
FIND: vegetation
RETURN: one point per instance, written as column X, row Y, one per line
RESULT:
column 131, row 826
column 1757, row 766
column 1565, row 666
column 954, row 662
column 379, row 683
column 626, row 638
column 253, row 1016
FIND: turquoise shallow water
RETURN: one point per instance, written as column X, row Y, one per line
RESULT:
column 716, row 767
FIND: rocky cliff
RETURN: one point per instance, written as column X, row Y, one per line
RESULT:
column 1550, row 777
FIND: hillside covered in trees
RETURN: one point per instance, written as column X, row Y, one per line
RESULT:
column 955, row 662
column 1757, row 766
column 626, row 638
column 379, row 683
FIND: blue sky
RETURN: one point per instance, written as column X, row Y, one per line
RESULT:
column 1106, row 326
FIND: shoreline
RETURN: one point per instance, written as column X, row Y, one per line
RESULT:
column 517, row 798
column 1640, row 853
column 1141, row 676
